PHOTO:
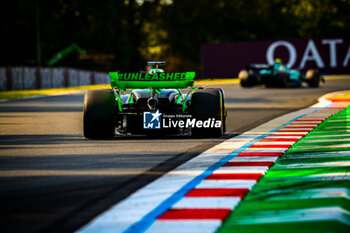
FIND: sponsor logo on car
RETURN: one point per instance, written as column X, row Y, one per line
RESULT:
column 191, row 123
column 152, row 120
column 151, row 77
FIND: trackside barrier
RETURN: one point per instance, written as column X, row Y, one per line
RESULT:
column 29, row 78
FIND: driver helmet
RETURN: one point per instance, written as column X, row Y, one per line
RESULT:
column 278, row 60
column 153, row 71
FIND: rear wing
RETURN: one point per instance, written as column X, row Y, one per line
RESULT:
column 152, row 63
column 258, row 66
column 151, row 81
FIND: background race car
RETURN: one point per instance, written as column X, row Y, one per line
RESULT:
column 155, row 105
column 277, row 75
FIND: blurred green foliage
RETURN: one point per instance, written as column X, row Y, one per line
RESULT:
column 172, row 30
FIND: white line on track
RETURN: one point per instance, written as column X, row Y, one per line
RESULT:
column 289, row 133
column 207, row 202
column 276, row 137
column 265, row 150
column 254, row 159
column 193, row 226
column 275, row 143
column 241, row 170
column 226, row 184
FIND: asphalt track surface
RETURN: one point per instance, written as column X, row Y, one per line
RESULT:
column 52, row 179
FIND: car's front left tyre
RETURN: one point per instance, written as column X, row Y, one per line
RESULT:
column 283, row 79
column 99, row 111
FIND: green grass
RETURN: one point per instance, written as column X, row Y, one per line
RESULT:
column 286, row 197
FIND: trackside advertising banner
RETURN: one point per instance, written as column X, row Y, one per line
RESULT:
column 329, row 55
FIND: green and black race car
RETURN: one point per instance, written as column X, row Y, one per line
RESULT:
column 154, row 105
column 277, row 75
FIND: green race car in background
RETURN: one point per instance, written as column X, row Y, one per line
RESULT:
column 155, row 105
column 277, row 75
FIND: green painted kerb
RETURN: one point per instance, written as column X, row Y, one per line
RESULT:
column 307, row 190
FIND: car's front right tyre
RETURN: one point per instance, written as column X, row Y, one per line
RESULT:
column 313, row 78
column 245, row 79
column 208, row 104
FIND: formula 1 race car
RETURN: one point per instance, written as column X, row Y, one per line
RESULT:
column 277, row 75
column 154, row 105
